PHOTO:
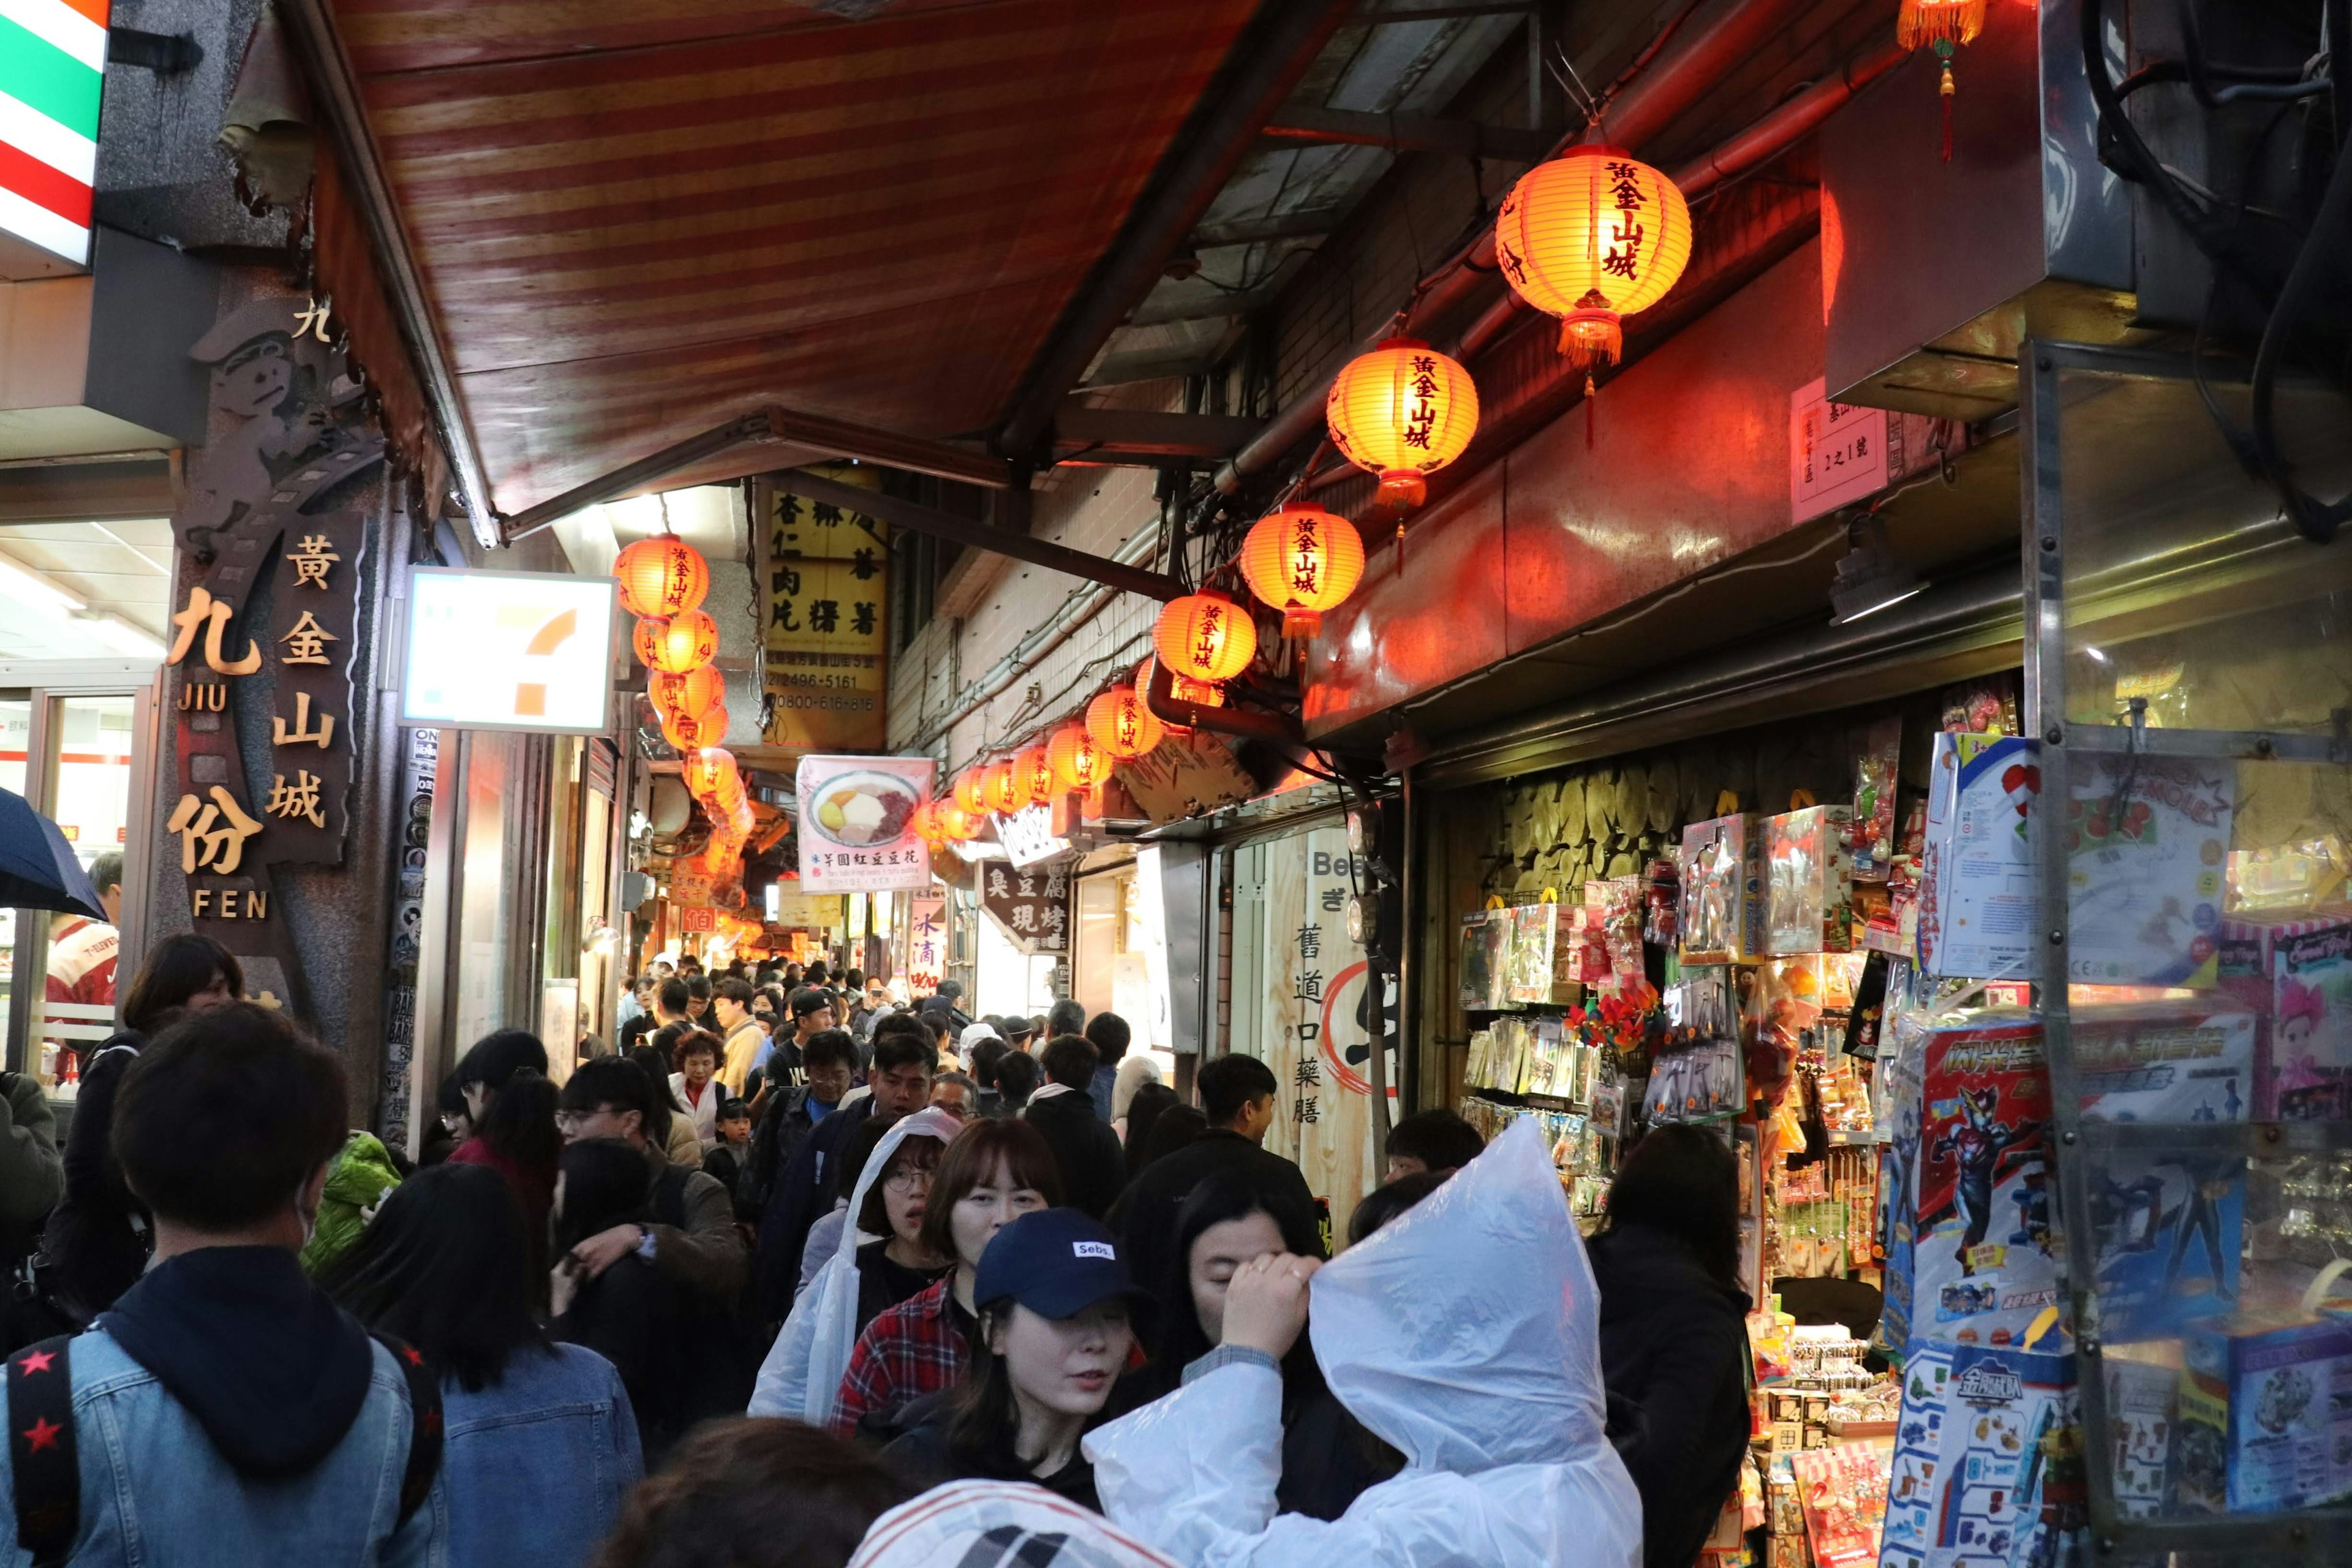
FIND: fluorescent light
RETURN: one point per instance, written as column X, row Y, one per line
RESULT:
column 30, row 589
column 129, row 638
column 1869, row 576
column 1847, row 617
column 2095, row 654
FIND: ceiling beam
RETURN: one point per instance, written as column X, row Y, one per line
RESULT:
column 1307, row 223
column 1086, row 434
column 1266, row 63
column 1407, row 134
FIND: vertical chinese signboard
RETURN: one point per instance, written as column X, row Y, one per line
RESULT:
column 829, row 580
column 1317, row 1036
column 1030, row 904
column 926, row 946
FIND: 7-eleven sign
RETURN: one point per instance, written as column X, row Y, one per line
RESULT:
column 52, row 62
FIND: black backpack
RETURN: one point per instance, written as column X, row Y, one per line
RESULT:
column 47, row 1470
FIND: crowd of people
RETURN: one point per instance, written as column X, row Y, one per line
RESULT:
column 790, row 1276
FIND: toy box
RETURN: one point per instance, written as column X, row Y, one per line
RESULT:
column 2296, row 975
column 1484, row 982
column 1536, row 931
column 1980, row 910
column 1722, row 902
column 1875, row 788
column 1984, row 1263
column 1809, row 881
column 2169, row 1230
column 2010, row 1468
column 2266, row 1418
column 2165, row 1062
column 2147, row 839
column 2143, row 1396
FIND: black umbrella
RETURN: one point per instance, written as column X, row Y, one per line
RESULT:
column 37, row 868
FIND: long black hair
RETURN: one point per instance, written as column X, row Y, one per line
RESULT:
column 178, row 968
column 606, row 1184
column 1683, row 1182
column 519, row 1122
column 1150, row 1102
column 445, row 1265
column 1230, row 1195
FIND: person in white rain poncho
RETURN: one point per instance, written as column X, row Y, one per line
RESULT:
column 801, row 1379
column 1465, row 1334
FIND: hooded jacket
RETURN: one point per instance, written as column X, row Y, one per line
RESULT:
column 1463, row 1335
column 225, row 1411
column 1093, row 1165
column 1674, row 1353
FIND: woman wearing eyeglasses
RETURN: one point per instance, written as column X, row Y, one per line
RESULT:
column 900, row 1264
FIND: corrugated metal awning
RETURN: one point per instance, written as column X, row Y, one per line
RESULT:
column 635, row 222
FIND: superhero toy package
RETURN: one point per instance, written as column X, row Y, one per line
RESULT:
column 2266, row 1418
column 2166, row 1062
column 1984, row 1262
column 1486, row 960
column 2169, row 1230
column 2148, row 841
column 1536, row 930
column 2010, row 1471
column 1722, row 902
column 1980, row 908
column 1908, row 1531
column 2143, row 1402
column 1809, row 881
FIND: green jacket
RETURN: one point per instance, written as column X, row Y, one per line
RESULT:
column 358, row 1180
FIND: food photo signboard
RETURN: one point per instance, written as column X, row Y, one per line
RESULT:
column 857, row 823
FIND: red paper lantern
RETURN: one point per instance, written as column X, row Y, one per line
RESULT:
column 662, row 576
column 1080, row 760
column 1002, row 788
column 1302, row 560
column 706, row 770
column 1034, row 770
column 924, row 824
column 679, row 643
column 698, row 691
column 687, row 734
column 969, row 790
column 1122, row 725
column 1593, row 237
column 1206, row 637
column 955, row 822
column 1401, row 411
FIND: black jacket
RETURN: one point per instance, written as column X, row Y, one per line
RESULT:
column 802, row 1195
column 639, row 1319
column 99, row 1238
column 919, row 1457
column 1673, row 1357
column 1148, row 1227
column 1094, row 1167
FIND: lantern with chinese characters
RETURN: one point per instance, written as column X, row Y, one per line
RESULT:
column 924, row 824
column 1080, row 761
column 1591, row 237
column 970, row 787
column 954, row 822
column 1035, row 769
column 706, row 770
column 662, row 576
column 679, row 643
column 1206, row 637
column 722, row 850
column 1002, row 788
column 1302, row 560
column 739, row 818
column 1122, row 724
column 698, row 691
column 1946, row 26
column 692, row 733
column 1403, row 411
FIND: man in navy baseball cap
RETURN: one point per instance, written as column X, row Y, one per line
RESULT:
column 1056, row 1263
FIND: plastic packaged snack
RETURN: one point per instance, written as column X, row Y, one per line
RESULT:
column 1875, row 784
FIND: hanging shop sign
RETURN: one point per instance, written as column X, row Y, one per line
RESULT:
column 923, row 956
column 508, row 650
column 52, row 64
column 824, row 665
column 1028, row 835
column 1031, row 905
column 1840, row 453
column 1319, row 1036
column 1184, row 778
column 788, row 908
column 857, row 827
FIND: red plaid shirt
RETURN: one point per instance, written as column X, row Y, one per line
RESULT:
column 913, row 1349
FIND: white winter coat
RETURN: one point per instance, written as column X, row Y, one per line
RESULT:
column 1464, row 1333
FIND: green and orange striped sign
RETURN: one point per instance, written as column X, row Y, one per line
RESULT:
column 52, row 62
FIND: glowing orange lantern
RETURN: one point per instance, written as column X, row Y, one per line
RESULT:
column 679, row 643
column 925, row 823
column 1122, row 725
column 1206, row 637
column 698, row 691
column 690, row 733
column 1199, row 693
column 1080, row 761
column 706, row 770
column 662, row 576
column 1002, row 789
column 954, row 822
column 1302, row 560
column 1401, row 411
column 740, row 819
column 1034, row 770
column 970, row 787
column 1593, row 237
column 722, row 850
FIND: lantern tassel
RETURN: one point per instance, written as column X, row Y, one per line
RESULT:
column 1949, row 90
column 1399, row 549
column 1943, row 23
column 1591, row 395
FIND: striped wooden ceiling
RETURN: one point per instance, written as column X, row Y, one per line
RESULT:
column 637, row 218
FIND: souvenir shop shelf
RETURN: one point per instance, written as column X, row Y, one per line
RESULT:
column 2186, row 663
